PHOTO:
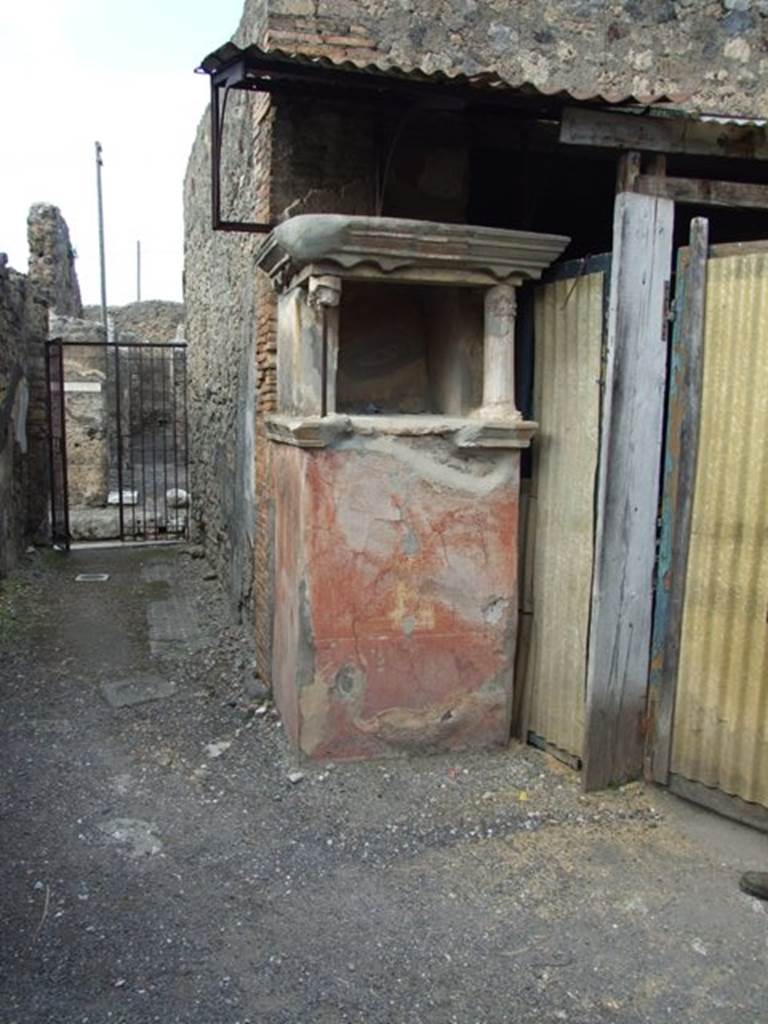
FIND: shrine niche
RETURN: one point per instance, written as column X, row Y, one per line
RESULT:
column 396, row 467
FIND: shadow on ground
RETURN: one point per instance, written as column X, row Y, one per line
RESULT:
column 158, row 865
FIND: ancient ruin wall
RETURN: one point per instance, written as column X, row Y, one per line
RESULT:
column 228, row 309
column 25, row 301
column 52, row 260
column 231, row 312
column 281, row 159
column 710, row 54
column 14, row 399
column 153, row 320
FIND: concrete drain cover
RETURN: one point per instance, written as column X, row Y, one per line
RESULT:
column 92, row 577
column 124, row 693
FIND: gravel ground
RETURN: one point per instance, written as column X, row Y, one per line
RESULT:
column 171, row 861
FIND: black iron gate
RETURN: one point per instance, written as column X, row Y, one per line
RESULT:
column 119, row 458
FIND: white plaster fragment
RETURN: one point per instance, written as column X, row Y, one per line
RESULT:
column 738, row 49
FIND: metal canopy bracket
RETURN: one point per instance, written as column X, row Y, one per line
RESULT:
column 228, row 78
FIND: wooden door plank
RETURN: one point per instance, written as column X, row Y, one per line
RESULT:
column 721, row 803
column 683, row 412
column 725, row 249
column 627, row 491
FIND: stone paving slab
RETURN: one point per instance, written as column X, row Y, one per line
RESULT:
column 175, row 628
column 126, row 693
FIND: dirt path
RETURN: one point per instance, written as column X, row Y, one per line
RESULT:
column 158, row 865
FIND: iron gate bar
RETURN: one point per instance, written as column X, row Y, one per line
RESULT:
column 175, row 449
column 132, row 439
column 165, row 443
column 141, row 435
column 176, row 433
column 186, row 443
column 119, row 438
column 57, row 453
column 154, row 421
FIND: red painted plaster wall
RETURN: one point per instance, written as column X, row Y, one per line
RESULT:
column 396, row 570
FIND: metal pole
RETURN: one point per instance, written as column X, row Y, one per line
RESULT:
column 102, row 260
column 118, row 409
column 138, row 271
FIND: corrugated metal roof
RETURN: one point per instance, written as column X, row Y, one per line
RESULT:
column 489, row 82
column 735, row 122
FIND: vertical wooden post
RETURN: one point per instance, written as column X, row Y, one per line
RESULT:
column 627, row 490
column 683, row 411
column 628, row 171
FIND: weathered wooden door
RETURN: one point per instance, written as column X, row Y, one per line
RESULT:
column 570, row 310
column 600, row 380
column 709, row 694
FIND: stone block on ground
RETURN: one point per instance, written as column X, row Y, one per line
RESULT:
column 126, row 693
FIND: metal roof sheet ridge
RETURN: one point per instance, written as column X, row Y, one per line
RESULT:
column 490, row 79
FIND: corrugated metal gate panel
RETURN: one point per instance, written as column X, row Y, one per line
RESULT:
column 721, row 717
column 569, row 339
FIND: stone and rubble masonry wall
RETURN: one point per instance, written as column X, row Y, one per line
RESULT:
column 87, row 380
column 152, row 320
column 25, row 301
column 231, row 331
column 282, row 159
column 713, row 52
column 52, row 260
column 231, row 319
column 14, row 397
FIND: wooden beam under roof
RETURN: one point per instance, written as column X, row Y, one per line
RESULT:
column 688, row 135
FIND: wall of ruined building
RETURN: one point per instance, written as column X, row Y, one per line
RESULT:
column 278, row 161
column 14, row 398
column 25, row 301
column 88, row 397
column 282, row 158
column 712, row 52
column 153, row 320
column 230, row 332
column 52, row 260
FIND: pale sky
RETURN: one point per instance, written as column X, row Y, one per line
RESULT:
column 122, row 72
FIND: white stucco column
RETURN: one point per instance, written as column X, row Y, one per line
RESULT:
column 499, row 354
column 325, row 296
